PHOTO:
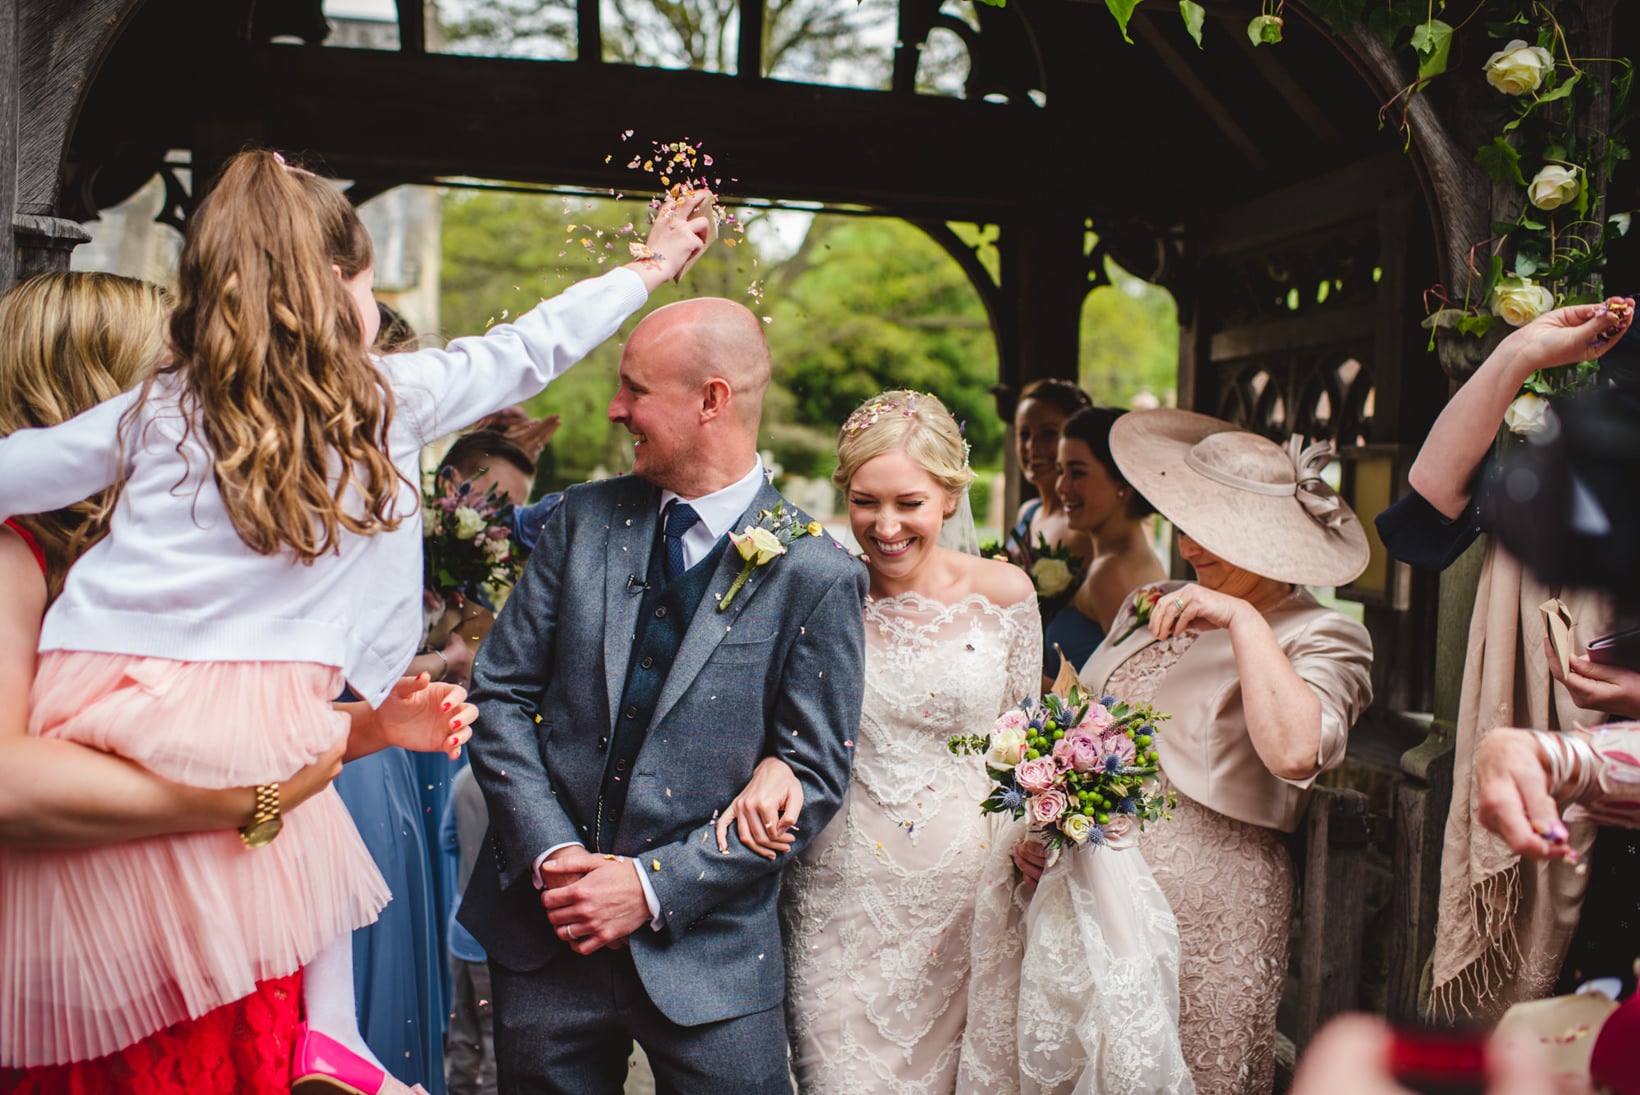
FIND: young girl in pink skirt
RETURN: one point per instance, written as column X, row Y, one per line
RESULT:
column 265, row 549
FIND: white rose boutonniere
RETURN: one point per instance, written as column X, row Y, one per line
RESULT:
column 1518, row 301
column 1528, row 414
column 763, row 543
column 1053, row 576
column 1553, row 187
column 1518, row 68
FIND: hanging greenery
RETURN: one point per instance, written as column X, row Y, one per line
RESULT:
column 1541, row 92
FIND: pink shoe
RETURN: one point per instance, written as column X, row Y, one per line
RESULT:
column 323, row 1066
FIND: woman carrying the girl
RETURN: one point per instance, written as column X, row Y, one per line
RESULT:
column 264, row 549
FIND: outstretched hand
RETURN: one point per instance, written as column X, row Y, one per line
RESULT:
column 1578, row 332
column 425, row 717
column 683, row 227
column 1513, row 797
column 765, row 812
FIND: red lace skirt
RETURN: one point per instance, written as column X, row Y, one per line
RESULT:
column 242, row 1048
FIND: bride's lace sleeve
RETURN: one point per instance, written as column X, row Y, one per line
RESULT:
column 1024, row 671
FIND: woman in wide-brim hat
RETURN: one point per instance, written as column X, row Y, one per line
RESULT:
column 1262, row 684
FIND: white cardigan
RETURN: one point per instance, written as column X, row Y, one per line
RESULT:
column 173, row 579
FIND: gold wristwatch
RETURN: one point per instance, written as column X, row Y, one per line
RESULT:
column 265, row 822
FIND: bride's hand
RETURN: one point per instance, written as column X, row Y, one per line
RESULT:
column 766, row 810
column 1031, row 858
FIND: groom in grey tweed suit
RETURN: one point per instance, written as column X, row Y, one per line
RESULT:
column 620, row 710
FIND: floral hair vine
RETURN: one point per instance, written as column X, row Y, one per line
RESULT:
column 868, row 416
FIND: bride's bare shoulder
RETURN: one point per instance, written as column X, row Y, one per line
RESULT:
column 1000, row 583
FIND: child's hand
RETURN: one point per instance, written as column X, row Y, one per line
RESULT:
column 424, row 717
column 681, row 231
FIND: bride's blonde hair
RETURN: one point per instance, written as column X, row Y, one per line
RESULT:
column 916, row 422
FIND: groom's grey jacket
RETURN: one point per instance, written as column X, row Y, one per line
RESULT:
column 780, row 673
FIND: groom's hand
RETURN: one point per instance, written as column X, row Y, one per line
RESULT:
column 600, row 909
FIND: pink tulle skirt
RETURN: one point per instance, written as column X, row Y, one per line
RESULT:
column 101, row 947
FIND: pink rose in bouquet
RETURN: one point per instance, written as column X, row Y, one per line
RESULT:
column 1037, row 775
column 1048, row 806
column 1079, row 750
column 1121, row 831
column 1097, row 720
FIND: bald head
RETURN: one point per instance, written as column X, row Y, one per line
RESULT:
column 711, row 337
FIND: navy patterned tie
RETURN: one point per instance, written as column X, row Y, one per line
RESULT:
column 680, row 517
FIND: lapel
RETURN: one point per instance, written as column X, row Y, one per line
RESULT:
column 709, row 626
column 631, row 539
column 1110, row 655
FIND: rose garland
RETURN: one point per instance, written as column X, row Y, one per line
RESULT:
column 1553, row 251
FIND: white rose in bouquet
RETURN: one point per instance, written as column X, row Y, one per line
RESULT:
column 468, row 522
column 1052, row 576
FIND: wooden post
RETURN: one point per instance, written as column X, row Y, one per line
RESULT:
column 10, row 60
column 1332, row 909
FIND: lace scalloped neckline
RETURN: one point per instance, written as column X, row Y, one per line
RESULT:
column 944, row 611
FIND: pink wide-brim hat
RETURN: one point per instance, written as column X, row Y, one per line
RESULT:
column 1243, row 497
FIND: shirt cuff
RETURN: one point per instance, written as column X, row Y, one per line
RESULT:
column 535, row 868
column 655, row 921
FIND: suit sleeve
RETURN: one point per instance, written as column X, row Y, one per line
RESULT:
column 508, row 682
column 817, row 714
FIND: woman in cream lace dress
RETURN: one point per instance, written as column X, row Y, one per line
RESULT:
column 877, row 911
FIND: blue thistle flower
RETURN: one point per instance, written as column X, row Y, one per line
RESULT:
column 1107, row 701
column 1112, row 764
column 1127, row 806
column 1013, row 798
column 1096, row 835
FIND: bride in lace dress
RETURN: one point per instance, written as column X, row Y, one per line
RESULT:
column 877, row 910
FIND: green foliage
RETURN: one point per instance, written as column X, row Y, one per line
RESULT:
column 1194, row 15
column 1122, row 11
column 1129, row 341
column 1432, row 41
column 1501, row 162
column 879, row 305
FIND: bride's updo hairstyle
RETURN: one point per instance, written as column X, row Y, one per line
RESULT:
column 913, row 421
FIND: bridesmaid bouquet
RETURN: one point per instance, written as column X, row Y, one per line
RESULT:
column 1082, row 770
column 467, row 540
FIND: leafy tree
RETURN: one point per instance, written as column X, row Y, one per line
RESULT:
column 1130, row 341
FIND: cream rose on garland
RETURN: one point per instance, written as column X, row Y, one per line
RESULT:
column 1528, row 414
column 1554, row 186
column 1518, row 301
column 1518, row 68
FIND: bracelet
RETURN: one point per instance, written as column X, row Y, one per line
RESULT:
column 445, row 662
column 1570, row 764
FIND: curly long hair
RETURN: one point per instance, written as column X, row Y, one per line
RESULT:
column 69, row 341
column 269, row 349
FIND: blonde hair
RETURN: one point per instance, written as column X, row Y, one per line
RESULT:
column 69, row 341
column 916, row 422
column 273, row 367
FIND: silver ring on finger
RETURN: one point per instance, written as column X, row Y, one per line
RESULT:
column 1178, row 603
column 570, row 932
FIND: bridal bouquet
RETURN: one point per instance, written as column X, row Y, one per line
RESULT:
column 467, row 540
column 1082, row 770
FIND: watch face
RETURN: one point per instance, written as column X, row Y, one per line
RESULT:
column 261, row 832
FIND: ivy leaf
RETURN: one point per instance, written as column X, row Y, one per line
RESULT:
column 995, row 3
column 1264, row 30
column 1193, row 15
column 1525, row 265
column 1622, row 84
column 1341, row 15
column 1476, row 325
column 1432, row 41
column 1561, row 90
column 1388, row 23
column 1494, row 271
column 1529, row 224
column 1507, row 28
column 1122, row 11
column 1501, row 162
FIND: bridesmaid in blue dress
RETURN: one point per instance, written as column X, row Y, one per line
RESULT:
column 1099, row 504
